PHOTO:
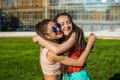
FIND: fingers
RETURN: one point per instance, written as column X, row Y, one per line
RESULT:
column 92, row 37
column 34, row 38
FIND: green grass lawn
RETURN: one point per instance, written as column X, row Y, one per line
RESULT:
column 19, row 60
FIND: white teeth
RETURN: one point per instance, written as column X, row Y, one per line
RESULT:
column 67, row 28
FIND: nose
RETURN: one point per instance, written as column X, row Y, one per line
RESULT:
column 58, row 28
column 66, row 25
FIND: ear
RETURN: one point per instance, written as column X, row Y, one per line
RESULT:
column 47, row 36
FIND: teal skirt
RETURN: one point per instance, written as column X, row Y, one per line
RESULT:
column 81, row 75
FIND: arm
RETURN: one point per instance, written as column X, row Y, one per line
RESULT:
column 54, row 47
column 77, row 62
column 82, row 59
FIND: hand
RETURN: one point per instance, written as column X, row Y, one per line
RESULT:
column 36, row 38
column 92, row 37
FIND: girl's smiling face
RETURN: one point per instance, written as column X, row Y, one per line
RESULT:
column 66, row 24
column 51, row 34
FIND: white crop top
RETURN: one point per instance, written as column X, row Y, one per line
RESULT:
column 49, row 68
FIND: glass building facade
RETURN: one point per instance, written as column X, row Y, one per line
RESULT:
column 22, row 15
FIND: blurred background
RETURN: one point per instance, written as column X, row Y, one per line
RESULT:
column 20, row 61
column 90, row 15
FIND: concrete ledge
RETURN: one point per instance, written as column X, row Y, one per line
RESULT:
column 106, row 34
column 17, row 34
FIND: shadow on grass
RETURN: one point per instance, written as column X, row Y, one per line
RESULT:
column 115, row 77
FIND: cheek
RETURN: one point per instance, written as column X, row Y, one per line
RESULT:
column 53, row 35
column 62, row 28
column 71, row 26
column 59, row 36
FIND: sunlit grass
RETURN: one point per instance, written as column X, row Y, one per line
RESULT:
column 104, row 60
column 19, row 60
